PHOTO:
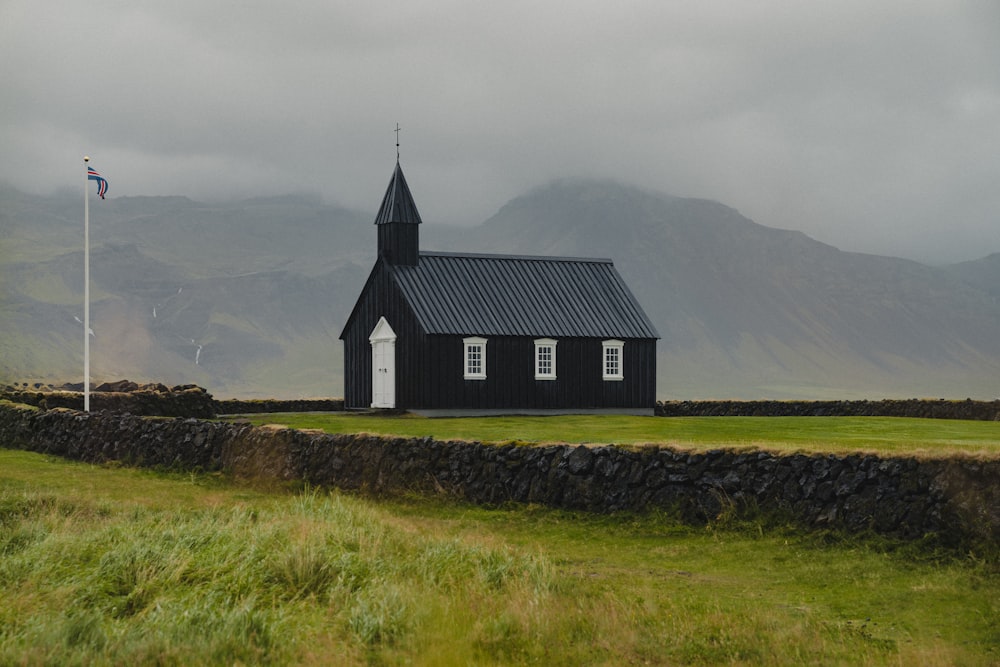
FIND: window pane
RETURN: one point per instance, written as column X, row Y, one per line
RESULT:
column 544, row 360
column 611, row 361
column 475, row 358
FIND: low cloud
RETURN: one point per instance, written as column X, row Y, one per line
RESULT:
column 873, row 127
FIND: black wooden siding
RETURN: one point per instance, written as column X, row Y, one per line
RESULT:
column 398, row 243
column 510, row 376
column 380, row 298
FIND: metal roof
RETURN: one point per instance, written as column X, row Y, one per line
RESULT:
column 397, row 204
column 511, row 295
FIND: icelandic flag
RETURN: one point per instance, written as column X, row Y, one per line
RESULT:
column 102, row 183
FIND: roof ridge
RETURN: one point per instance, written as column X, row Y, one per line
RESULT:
column 529, row 258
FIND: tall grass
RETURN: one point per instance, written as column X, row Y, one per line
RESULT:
column 107, row 566
column 85, row 583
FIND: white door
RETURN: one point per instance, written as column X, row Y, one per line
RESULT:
column 383, row 340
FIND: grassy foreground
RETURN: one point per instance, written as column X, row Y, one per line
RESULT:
column 101, row 565
column 884, row 435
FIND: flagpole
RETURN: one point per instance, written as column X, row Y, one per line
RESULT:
column 86, row 288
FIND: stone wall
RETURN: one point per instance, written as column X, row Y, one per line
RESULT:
column 250, row 406
column 956, row 498
column 912, row 407
column 180, row 401
column 158, row 400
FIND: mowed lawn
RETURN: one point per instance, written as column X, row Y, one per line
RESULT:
column 109, row 565
column 884, row 435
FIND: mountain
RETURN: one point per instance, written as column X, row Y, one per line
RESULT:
column 247, row 298
column 983, row 274
column 748, row 311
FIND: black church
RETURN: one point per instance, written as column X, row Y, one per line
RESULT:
column 456, row 333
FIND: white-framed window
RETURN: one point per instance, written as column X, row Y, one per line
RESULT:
column 545, row 359
column 613, row 354
column 475, row 358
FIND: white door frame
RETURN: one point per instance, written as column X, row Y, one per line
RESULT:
column 383, row 341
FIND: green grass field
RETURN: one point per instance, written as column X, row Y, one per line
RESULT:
column 884, row 435
column 105, row 565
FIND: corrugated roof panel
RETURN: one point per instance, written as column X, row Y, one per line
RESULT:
column 509, row 295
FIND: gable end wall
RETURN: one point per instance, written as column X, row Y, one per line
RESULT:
column 381, row 298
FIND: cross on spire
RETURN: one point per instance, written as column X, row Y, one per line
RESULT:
column 397, row 142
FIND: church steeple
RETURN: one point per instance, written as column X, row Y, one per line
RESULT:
column 397, row 222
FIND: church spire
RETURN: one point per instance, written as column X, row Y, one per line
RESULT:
column 397, row 222
column 398, row 205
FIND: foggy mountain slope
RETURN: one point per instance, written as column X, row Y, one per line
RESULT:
column 981, row 274
column 759, row 311
column 152, row 320
column 248, row 298
column 203, row 239
column 31, row 224
column 297, row 232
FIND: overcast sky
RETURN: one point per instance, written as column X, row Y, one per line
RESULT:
column 873, row 125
